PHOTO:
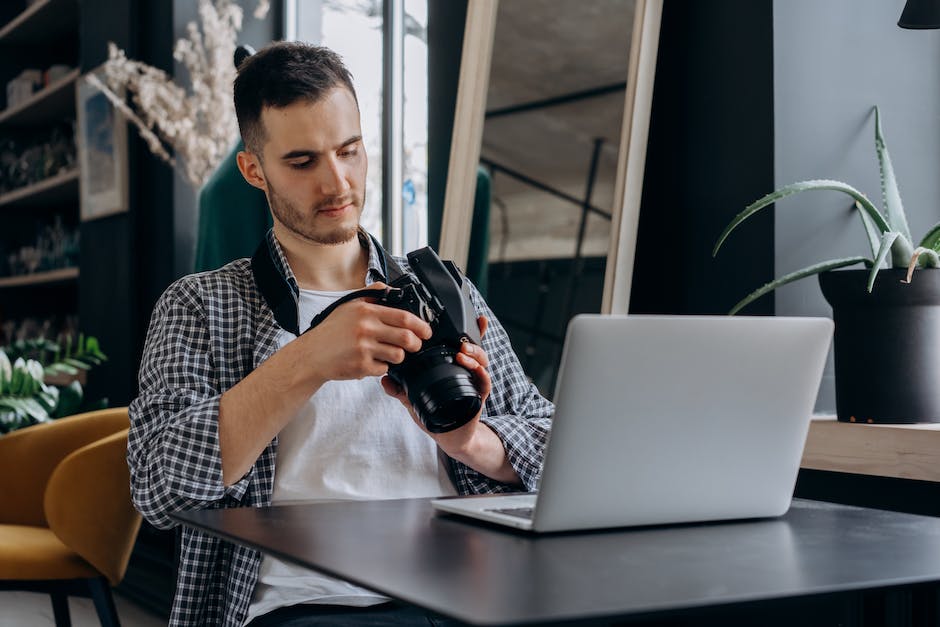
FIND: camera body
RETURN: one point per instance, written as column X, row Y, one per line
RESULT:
column 440, row 390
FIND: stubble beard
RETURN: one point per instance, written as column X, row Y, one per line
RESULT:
column 298, row 223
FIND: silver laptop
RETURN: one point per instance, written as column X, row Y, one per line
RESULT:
column 671, row 419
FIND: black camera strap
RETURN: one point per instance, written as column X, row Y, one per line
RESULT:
column 282, row 299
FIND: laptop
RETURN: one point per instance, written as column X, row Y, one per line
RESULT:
column 670, row 419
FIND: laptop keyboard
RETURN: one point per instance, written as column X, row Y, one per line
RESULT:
column 518, row 512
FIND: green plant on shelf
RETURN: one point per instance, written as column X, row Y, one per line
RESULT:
column 27, row 397
column 889, row 236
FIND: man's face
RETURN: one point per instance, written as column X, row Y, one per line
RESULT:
column 314, row 168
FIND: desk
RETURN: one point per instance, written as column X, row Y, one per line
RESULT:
column 487, row 576
column 898, row 451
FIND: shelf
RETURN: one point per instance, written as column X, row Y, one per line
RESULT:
column 48, row 104
column 880, row 450
column 58, row 189
column 40, row 278
column 45, row 20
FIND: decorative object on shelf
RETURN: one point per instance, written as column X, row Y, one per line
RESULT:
column 21, row 88
column 102, row 154
column 885, row 339
column 29, row 157
column 26, row 398
column 199, row 125
column 56, row 246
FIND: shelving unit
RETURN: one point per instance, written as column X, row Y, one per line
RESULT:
column 44, row 20
column 55, row 100
column 40, row 278
column 44, row 33
column 57, row 189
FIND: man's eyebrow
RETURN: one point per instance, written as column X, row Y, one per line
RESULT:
column 312, row 154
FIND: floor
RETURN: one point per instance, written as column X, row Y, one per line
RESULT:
column 31, row 609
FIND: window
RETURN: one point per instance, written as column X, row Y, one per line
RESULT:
column 384, row 45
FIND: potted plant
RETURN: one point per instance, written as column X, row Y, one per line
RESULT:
column 887, row 319
column 41, row 380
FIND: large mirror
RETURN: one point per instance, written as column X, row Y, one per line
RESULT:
column 546, row 164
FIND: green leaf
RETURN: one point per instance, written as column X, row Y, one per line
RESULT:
column 77, row 363
column 61, row 368
column 865, row 205
column 832, row 264
column 887, row 240
column 874, row 237
column 932, row 238
column 891, row 197
column 70, row 400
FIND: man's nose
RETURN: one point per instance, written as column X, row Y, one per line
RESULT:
column 335, row 178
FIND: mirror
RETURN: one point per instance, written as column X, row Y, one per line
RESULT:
column 546, row 165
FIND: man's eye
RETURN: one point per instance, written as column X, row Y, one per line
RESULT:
column 352, row 152
column 300, row 165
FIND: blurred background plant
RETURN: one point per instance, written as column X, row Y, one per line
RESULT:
column 197, row 125
column 41, row 380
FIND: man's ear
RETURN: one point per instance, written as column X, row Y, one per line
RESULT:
column 250, row 167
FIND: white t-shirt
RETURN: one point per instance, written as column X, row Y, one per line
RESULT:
column 351, row 441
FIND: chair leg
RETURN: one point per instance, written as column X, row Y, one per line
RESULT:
column 60, row 608
column 104, row 602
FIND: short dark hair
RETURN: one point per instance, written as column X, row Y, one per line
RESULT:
column 279, row 75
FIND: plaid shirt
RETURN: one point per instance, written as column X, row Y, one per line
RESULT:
column 208, row 332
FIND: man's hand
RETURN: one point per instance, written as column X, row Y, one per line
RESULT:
column 358, row 339
column 361, row 338
column 473, row 444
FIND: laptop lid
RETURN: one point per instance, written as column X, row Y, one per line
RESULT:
column 670, row 419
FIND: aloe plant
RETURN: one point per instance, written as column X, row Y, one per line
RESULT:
column 889, row 236
column 25, row 396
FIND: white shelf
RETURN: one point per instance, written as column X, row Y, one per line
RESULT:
column 39, row 278
column 55, row 100
column 45, row 20
column 60, row 188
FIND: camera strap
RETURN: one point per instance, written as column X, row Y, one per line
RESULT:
column 281, row 298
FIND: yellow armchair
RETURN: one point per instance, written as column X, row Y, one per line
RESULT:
column 67, row 526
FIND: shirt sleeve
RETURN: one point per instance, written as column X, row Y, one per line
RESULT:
column 173, row 445
column 515, row 410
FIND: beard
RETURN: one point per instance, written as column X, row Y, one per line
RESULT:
column 299, row 222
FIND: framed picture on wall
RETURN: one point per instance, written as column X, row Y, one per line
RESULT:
column 101, row 135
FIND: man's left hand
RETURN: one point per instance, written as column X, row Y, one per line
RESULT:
column 474, row 443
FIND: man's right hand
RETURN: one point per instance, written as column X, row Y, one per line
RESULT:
column 361, row 338
column 358, row 339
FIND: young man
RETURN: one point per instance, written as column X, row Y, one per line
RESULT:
column 239, row 408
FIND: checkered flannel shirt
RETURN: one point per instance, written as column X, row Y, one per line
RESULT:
column 210, row 330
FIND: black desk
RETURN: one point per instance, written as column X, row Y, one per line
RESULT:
column 483, row 575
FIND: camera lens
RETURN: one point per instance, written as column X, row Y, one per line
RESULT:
column 440, row 390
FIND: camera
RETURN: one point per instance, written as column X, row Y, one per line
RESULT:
column 440, row 390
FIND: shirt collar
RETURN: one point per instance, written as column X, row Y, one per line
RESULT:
column 374, row 272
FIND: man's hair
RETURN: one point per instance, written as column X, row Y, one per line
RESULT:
column 279, row 75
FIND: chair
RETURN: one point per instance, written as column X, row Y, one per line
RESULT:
column 67, row 525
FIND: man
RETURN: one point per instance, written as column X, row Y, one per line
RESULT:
column 239, row 408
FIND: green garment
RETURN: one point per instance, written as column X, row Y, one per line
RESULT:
column 478, row 254
column 233, row 216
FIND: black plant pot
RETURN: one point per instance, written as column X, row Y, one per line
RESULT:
column 887, row 345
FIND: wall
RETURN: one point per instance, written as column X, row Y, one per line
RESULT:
column 128, row 260
column 710, row 151
column 833, row 60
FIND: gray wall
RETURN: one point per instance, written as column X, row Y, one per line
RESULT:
column 833, row 60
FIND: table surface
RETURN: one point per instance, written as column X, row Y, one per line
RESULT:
column 484, row 575
column 882, row 450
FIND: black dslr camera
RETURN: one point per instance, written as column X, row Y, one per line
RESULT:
column 440, row 390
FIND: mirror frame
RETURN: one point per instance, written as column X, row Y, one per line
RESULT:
column 469, row 113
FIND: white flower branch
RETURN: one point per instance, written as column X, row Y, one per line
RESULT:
column 198, row 125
